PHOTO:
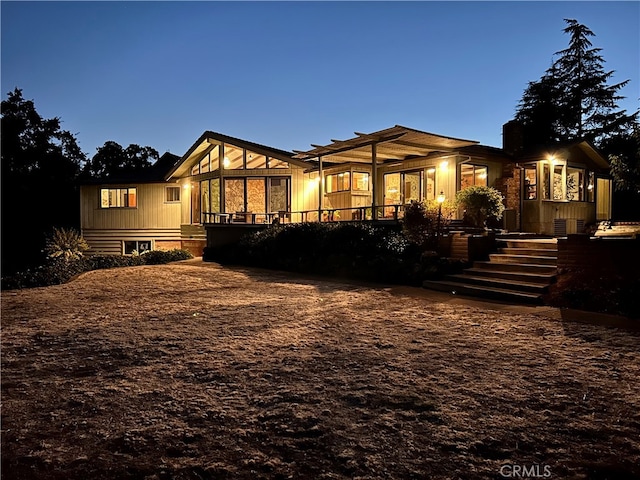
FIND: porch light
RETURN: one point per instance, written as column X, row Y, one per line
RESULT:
column 590, row 186
column 186, row 186
column 444, row 164
column 441, row 198
column 226, row 162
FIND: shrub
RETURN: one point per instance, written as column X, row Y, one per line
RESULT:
column 423, row 222
column 157, row 257
column 480, row 203
column 66, row 244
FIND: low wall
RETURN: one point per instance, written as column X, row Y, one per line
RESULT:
column 228, row 234
column 603, row 256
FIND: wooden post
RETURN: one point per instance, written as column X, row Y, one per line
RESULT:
column 374, row 181
column 320, row 188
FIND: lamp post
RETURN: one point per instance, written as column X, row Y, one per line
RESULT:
column 440, row 202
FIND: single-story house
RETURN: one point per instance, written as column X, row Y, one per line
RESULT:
column 223, row 182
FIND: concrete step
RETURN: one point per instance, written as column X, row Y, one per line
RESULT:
column 482, row 291
column 518, row 276
column 517, row 267
column 536, row 252
column 517, row 285
column 522, row 259
column 542, row 243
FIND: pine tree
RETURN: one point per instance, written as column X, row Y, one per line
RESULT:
column 572, row 101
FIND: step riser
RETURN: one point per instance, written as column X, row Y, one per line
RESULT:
column 531, row 244
column 497, row 283
column 529, row 251
column 522, row 259
column 542, row 279
column 514, row 267
column 474, row 292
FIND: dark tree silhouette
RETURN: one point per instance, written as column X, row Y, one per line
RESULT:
column 40, row 164
column 572, row 100
column 113, row 161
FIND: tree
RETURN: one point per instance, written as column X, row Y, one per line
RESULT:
column 572, row 101
column 40, row 164
column 112, row 160
column 480, row 204
column 625, row 165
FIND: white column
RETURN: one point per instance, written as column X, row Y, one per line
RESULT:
column 374, row 181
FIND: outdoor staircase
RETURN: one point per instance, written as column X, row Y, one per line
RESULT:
column 521, row 271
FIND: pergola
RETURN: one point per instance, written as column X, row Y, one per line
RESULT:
column 393, row 144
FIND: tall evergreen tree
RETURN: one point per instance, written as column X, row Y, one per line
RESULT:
column 572, row 100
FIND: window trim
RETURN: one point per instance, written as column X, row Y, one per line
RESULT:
column 137, row 249
column 475, row 166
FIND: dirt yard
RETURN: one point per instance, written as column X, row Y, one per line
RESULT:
column 193, row 371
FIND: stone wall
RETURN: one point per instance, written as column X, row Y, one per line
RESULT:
column 601, row 256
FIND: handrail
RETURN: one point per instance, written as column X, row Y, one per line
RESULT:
column 391, row 212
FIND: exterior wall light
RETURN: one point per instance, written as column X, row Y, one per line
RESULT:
column 226, row 162
column 444, row 164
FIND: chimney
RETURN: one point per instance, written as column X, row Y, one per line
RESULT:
column 513, row 137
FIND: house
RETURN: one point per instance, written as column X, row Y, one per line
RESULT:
column 223, row 187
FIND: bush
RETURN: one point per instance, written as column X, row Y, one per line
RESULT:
column 67, row 244
column 423, row 222
column 57, row 270
column 363, row 251
column 480, row 203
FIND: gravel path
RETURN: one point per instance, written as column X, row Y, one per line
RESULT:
column 192, row 370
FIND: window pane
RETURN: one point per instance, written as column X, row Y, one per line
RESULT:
column 329, row 183
column 215, row 195
column 129, row 247
column 256, row 195
column 480, row 176
column 575, row 184
column 558, row 186
column 278, row 195
column 205, row 202
column 144, row 246
column 233, row 195
column 361, row 181
column 275, row 163
column 466, row 176
column 590, row 193
column 430, row 184
column 104, row 198
column 412, row 186
column 255, row 160
column 530, row 180
column 204, row 164
column 546, row 186
column 233, row 158
column 196, row 169
column 132, row 198
column 214, row 156
column 172, row 194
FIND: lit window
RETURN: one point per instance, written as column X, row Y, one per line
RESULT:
column 118, row 198
column 338, row 182
column 361, row 181
column 576, row 184
column 136, row 246
column 172, row 194
column 472, row 175
column 530, row 182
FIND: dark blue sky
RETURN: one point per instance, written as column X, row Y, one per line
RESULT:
column 290, row 74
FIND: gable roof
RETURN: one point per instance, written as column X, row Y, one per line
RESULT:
column 582, row 152
column 209, row 138
column 394, row 143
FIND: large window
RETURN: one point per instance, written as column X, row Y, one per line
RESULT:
column 258, row 195
column 472, row 175
column 118, row 198
column 234, row 195
column 338, row 182
column 564, row 183
column 233, row 158
column 255, row 160
column 430, row 184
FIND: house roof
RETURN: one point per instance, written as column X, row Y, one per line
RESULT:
column 394, row 143
column 581, row 152
column 156, row 173
column 208, row 139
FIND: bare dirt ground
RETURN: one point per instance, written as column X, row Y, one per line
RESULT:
column 194, row 371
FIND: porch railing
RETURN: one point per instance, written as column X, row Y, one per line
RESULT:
column 347, row 214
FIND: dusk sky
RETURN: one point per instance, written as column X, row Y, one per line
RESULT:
column 291, row 74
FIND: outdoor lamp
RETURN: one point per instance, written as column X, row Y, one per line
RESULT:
column 441, row 198
column 226, row 162
column 440, row 201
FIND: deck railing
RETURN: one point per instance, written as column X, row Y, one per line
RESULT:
column 348, row 214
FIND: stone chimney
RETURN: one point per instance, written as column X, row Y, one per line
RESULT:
column 513, row 137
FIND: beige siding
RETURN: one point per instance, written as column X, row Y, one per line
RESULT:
column 539, row 216
column 151, row 213
column 110, row 242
